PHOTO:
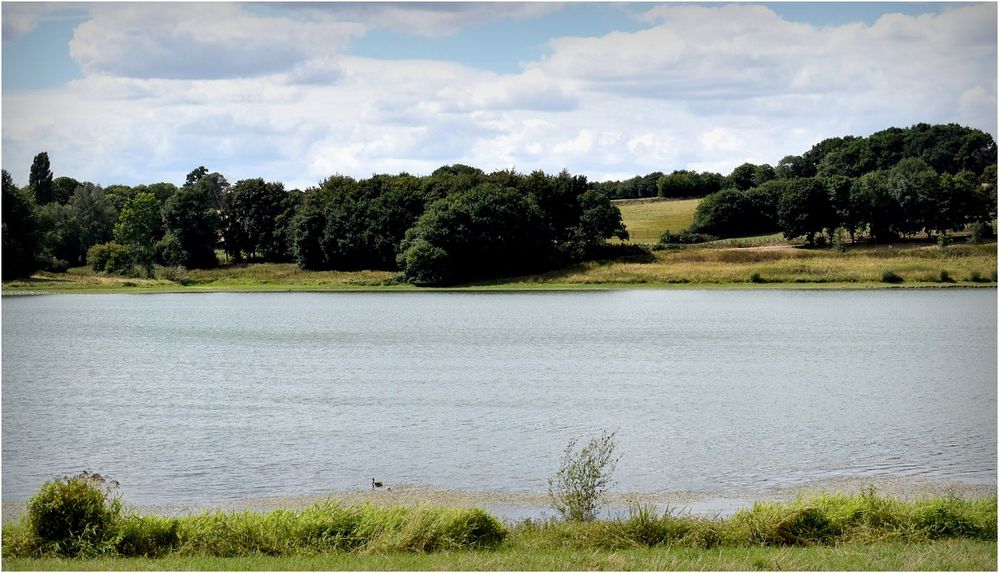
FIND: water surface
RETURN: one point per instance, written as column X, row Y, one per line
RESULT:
column 212, row 397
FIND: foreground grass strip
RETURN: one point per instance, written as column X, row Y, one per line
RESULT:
column 957, row 555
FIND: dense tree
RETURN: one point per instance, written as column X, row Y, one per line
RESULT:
column 20, row 234
column 95, row 216
column 139, row 227
column 60, row 237
column 63, row 189
column 481, row 233
column 804, row 209
column 683, row 184
column 727, row 213
column 40, row 179
column 254, row 220
column 190, row 218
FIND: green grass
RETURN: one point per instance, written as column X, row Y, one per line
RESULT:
column 861, row 531
column 954, row 554
column 647, row 219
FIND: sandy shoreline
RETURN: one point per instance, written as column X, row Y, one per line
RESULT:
column 517, row 506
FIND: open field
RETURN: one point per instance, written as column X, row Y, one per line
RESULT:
column 758, row 262
column 955, row 555
column 646, row 219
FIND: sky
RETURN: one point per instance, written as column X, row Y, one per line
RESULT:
column 129, row 93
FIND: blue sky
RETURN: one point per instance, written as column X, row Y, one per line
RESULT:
column 142, row 92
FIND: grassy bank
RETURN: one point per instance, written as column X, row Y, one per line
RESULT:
column 758, row 263
column 954, row 555
column 862, row 531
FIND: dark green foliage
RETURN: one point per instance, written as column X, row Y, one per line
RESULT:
column 637, row 187
column 979, row 232
column 60, row 236
column 255, row 221
column 190, row 217
column 40, row 179
column 683, row 184
column 477, row 234
column 308, row 228
column 75, row 515
column 63, row 188
column 111, row 258
column 95, row 217
column 734, row 213
column 139, row 228
column 685, row 238
column 804, row 209
column 890, row 276
column 21, row 238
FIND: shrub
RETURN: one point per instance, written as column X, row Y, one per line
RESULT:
column 945, row 276
column 944, row 240
column 110, row 258
column 756, row 278
column 890, row 276
column 583, row 477
column 979, row 232
column 685, row 238
column 167, row 251
column 76, row 515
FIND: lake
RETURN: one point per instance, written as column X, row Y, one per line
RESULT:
column 187, row 398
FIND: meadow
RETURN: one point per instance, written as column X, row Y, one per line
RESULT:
column 646, row 219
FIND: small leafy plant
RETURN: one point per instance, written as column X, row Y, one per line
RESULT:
column 77, row 515
column 584, row 476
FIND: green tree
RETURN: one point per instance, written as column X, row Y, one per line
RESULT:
column 139, row 227
column 805, row 209
column 481, row 233
column 63, row 189
column 251, row 220
column 40, row 179
column 95, row 216
column 20, row 231
column 190, row 218
column 912, row 183
column 60, row 236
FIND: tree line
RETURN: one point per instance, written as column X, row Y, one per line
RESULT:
column 461, row 224
column 458, row 224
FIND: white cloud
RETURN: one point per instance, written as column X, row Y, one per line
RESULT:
column 201, row 41
column 720, row 139
column 438, row 18
column 701, row 88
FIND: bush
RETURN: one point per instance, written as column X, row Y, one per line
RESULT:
column 945, row 276
column 583, row 478
column 685, row 238
column 110, row 258
column 890, row 276
column 944, row 240
column 167, row 251
column 76, row 515
column 979, row 232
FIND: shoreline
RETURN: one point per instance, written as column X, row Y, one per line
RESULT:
column 511, row 288
column 516, row 506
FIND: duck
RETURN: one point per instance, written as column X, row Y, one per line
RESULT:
column 375, row 484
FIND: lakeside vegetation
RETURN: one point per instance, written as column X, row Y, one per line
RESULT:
column 78, row 522
column 760, row 262
column 461, row 225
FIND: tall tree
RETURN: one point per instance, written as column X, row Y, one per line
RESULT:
column 40, row 179
column 190, row 219
column 20, row 234
column 139, row 227
column 95, row 216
